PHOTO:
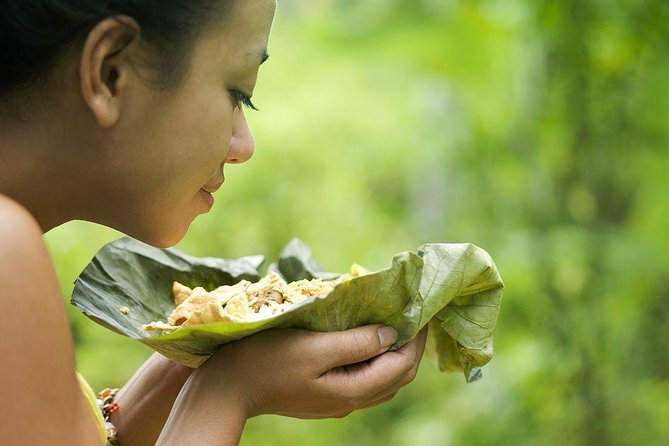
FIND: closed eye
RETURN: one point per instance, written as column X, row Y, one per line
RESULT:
column 239, row 99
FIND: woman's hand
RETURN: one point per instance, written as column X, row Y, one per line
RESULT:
column 314, row 375
column 290, row 372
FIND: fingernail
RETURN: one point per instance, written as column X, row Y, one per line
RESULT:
column 387, row 336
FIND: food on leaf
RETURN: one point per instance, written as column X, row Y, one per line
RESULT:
column 244, row 301
column 455, row 287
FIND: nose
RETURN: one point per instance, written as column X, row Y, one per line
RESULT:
column 242, row 144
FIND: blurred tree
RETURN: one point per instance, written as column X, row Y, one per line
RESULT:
column 585, row 141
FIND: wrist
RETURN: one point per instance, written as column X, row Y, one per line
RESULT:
column 220, row 391
column 205, row 413
column 173, row 371
column 146, row 400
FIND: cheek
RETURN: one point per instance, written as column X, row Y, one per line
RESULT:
column 213, row 136
column 190, row 134
column 205, row 124
column 164, row 164
column 183, row 157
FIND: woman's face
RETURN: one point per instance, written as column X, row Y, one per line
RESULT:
column 168, row 149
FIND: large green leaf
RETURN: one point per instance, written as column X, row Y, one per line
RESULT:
column 454, row 287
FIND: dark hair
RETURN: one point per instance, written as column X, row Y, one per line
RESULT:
column 34, row 34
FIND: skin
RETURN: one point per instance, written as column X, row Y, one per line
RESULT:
column 106, row 147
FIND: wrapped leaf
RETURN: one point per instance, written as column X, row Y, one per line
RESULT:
column 454, row 287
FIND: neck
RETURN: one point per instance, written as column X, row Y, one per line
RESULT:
column 34, row 172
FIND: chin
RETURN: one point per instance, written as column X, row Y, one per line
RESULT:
column 164, row 242
column 164, row 236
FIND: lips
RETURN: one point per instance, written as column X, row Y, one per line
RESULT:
column 214, row 186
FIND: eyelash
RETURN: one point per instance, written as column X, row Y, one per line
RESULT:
column 240, row 99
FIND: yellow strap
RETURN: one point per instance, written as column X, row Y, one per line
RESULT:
column 91, row 397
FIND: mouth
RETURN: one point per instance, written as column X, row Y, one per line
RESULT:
column 213, row 187
column 208, row 199
column 208, row 189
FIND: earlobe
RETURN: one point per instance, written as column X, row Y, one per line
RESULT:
column 104, row 67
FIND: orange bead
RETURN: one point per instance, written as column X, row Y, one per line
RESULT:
column 105, row 392
column 113, row 408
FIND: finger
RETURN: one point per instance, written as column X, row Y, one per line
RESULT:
column 395, row 386
column 379, row 401
column 413, row 348
column 420, row 347
column 416, row 346
column 362, row 380
column 423, row 340
column 354, row 345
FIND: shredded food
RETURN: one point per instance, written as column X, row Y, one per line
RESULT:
column 244, row 301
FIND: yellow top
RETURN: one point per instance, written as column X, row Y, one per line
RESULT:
column 97, row 413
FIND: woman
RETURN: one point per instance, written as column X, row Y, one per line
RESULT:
column 124, row 113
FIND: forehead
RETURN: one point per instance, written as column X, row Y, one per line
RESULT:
column 243, row 33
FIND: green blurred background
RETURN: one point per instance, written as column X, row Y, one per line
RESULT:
column 536, row 129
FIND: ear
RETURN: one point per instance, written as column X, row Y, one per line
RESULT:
column 106, row 66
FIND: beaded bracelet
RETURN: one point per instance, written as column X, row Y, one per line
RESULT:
column 107, row 405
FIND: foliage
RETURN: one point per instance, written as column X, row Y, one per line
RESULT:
column 534, row 129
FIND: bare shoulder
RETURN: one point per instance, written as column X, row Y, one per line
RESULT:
column 24, row 258
column 37, row 375
column 22, row 250
column 16, row 220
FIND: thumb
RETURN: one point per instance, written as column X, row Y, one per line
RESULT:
column 355, row 345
